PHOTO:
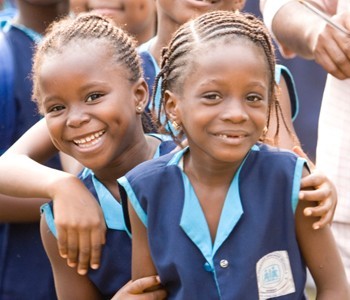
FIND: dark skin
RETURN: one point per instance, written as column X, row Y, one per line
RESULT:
column 36, row 16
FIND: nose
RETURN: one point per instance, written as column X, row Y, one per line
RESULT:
column 77, row 117
column 234, row 111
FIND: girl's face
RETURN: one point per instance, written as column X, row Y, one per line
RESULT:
column 133, row 15
column 89, row 104
column 181, row 11
column 223, row 103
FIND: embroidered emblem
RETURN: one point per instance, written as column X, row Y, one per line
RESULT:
column 274, row 275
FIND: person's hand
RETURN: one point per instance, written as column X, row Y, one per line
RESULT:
column 80, row 225
column 332, row 47
column 137, row 290
column 317, row 187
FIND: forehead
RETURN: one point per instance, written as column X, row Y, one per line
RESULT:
column 80, row 58
column 234, row 56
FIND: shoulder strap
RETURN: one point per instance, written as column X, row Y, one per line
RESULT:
column 7, row 103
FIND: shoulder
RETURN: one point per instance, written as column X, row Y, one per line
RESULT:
column 151, row 168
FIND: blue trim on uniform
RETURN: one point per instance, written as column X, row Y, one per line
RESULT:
column 133, row 200
column 298, row 173
column 194, row 223
column 281, row 70
column 46, row 209
column 112, row 209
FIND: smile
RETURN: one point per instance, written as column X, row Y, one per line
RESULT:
column 89, row 140
column 226, row 136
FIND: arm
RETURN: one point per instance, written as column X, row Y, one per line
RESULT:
column 135, row 290
column 325, row 265
column 142, row 264
column 306, row 34
column 80, row 224
column 314, row 187
column 68, row 283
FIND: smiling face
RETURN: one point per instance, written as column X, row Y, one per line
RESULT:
column 89, row 103
column 180, row 11
column 223, row 103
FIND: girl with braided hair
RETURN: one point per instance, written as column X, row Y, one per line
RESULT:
column 220, row 219
column 88, row 84
column 80, row 224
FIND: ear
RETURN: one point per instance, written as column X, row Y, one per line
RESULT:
column 140, row 90
column 172, row 107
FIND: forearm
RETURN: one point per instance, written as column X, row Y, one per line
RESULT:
column 23, row 177
column 18, row 210
column 294, row 27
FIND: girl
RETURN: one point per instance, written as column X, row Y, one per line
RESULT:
column 216, row 220
column 86, row 229
column 93, row 114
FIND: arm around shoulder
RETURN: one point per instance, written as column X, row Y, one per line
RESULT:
column 321, row 256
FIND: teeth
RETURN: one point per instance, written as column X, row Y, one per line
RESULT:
column 89, row 140
column 224, row 136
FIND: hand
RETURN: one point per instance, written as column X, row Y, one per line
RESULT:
column 80, row 225
column 332, row 48
column 135, row 290
column 323, row 191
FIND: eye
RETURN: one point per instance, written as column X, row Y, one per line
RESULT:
column 254, row 98
column 212, row 96
column 55, row 108
column 94, row 96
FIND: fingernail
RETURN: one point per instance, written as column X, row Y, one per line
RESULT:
column 308, row 212
column 82, row 272
column 316, row 227
column 71, row 264
column 95, row 266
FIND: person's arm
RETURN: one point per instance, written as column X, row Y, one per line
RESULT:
column 321, row 257
column 142, row 263
column 299, row 30
column 78, row 217
column 315, row 186
column 68, row 283
column 137, row 290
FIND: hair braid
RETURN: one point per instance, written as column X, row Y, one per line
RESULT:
column 87, row 27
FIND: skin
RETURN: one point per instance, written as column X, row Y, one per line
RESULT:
column 77, row 233
column 222, row 107
column 37, row 15
column 138, row 17
column 326, row 45
column 84, row 103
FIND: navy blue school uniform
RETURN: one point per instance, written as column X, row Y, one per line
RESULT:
column 115, row 269
column 25, row 271
column 255, row 254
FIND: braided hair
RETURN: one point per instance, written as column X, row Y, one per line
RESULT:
column 188, row 39
column 86, row 28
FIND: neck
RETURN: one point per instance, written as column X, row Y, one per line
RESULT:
column 39, row 17
column 137, row 153
column 166, row 28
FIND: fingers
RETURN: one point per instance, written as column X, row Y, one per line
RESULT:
column 98, row 239
column 62, row 242
column 316, row 180
column 140, row 285
column 72, row 257
column 84, row 252
column 323, row 211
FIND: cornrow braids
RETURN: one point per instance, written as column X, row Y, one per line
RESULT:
column 195, row 33
column 86, row 28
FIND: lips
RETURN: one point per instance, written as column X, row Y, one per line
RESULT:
column 89, row 140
